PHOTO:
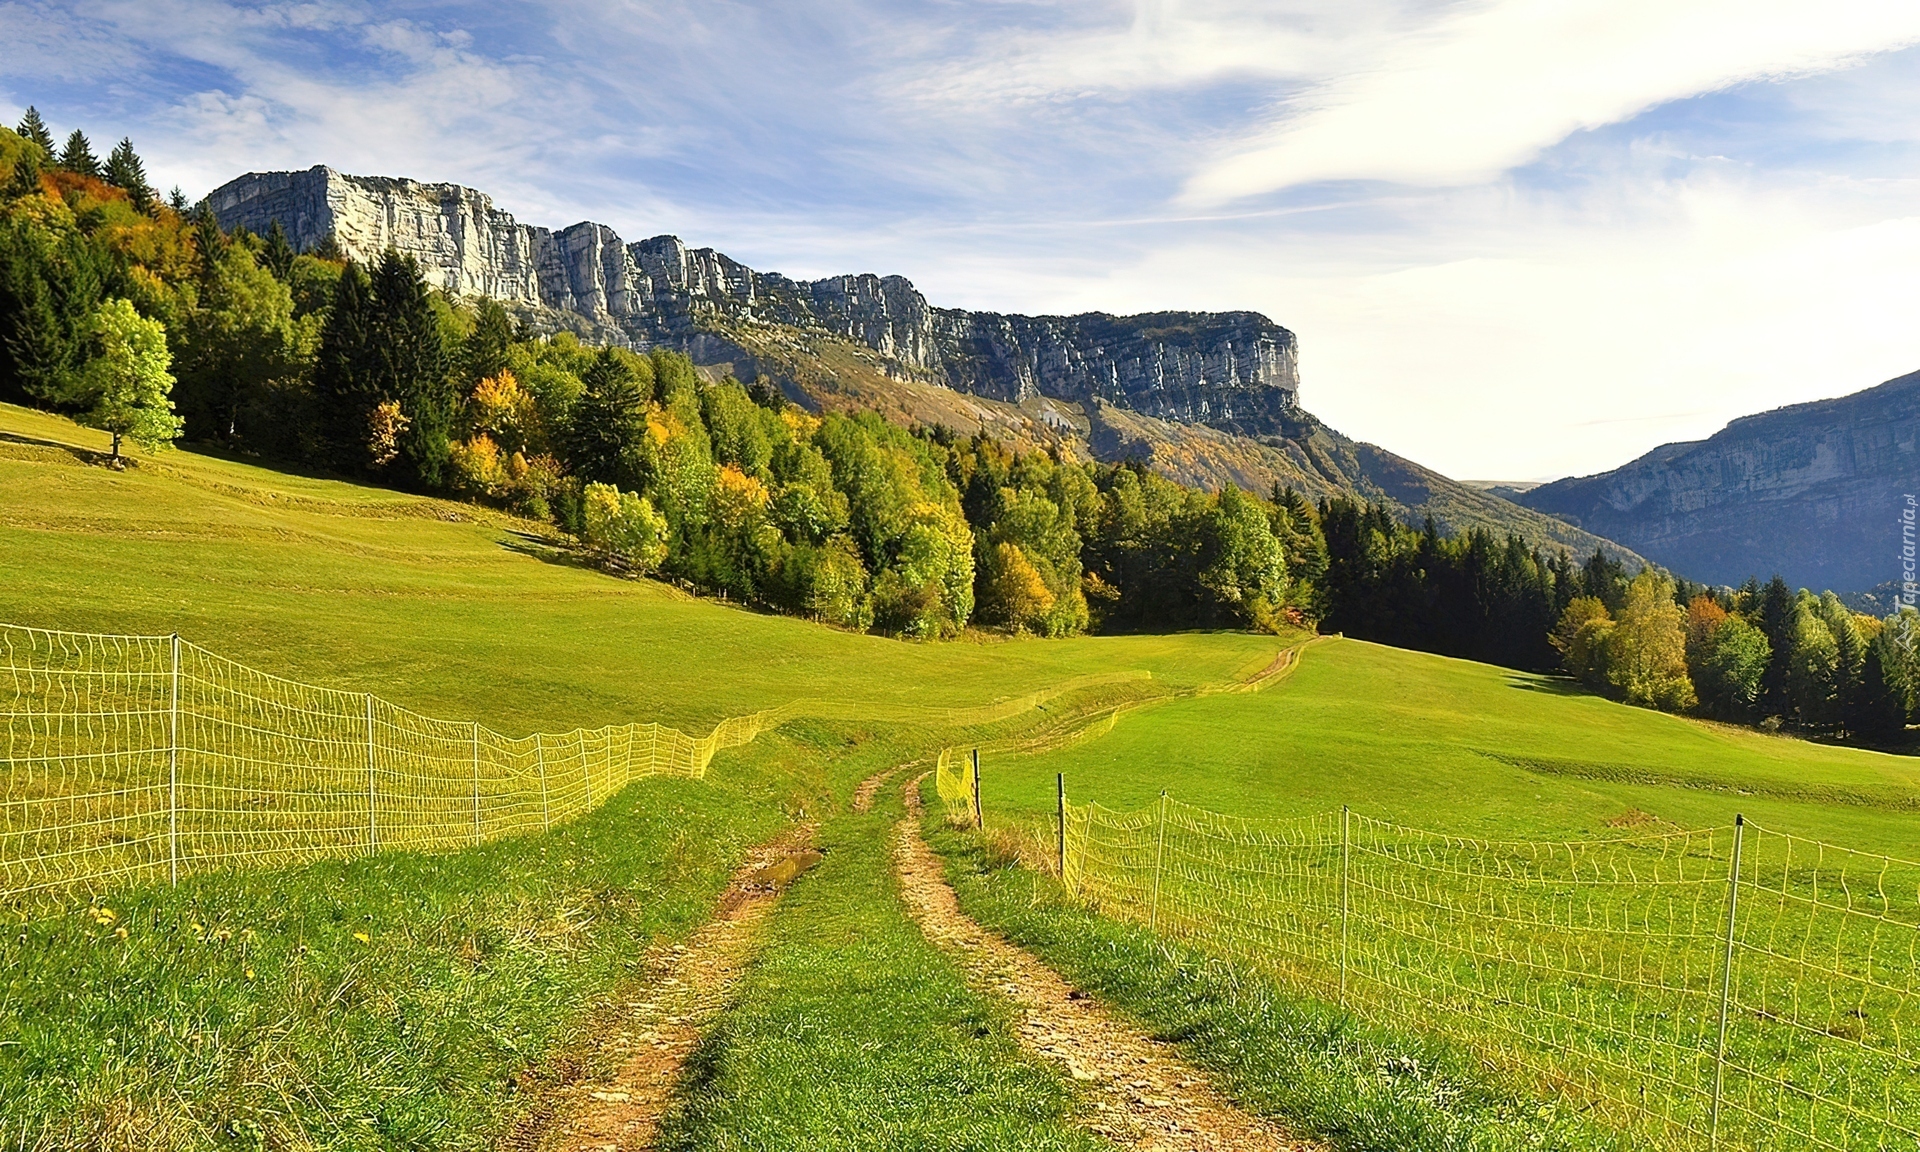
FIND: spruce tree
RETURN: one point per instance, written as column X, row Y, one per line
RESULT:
column 35, row 129
column 26, row 175
column 412, row 366
column 608, row 425
column 124, row 170
column 1875, row 713
column 1777, row 614
column 208, row 239
column 177, row 200
column 78, row 155
column 485, row 351
column 278, row 254
column 342, row 373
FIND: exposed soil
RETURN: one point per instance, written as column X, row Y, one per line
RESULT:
column 649, row 1034
column 870, row 787
column 1140, row 1093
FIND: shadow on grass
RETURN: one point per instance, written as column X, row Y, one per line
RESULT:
column 84, row 455
column 1548, row 685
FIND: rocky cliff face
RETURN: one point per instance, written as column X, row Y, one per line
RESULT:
column 1815, row 492
column 1236, row 371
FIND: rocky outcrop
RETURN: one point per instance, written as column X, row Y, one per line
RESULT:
column 1816, row 492
column 1236, row 371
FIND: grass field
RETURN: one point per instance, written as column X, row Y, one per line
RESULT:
column 1579, row 939
column 244, row 1010
column 1465, row 748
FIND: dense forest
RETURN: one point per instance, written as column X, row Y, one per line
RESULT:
column 143, row 317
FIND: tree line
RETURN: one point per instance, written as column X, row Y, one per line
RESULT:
column 1763, row 655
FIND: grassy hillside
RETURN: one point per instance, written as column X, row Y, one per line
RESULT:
column 457, row 611
column 1462, row 747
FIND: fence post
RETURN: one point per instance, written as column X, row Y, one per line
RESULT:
column 1346, row 820
column 1060, row 799
column 476, row 782
column 373, row 840
column 1159, row 852
column 540, row 758
column 586, row 770
column 1726, row 978
column 979, row 816
column 173, row 769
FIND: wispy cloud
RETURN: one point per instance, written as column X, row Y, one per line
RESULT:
column 1506, row 230
column 1487, row 86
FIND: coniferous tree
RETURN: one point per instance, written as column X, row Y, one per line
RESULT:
column 78, row 155
column 484, row 354
column 343, row 388
column 410, row 366
column 125, row 171
column 208, row 239
column 49, row 289
column 277, row 256
column 26, row 175
column 606, row 431
column 1777, row 615
column 35, row 129
column 1876, row 712
column 177, row 200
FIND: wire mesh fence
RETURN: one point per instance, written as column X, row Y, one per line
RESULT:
column 130, row 759
column 1729, row 986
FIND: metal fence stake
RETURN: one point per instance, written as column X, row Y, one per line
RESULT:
column 173, row 769
column 1060, row 803
column 1726, row 979
column 476, row 783
column 1346, row 820
column 373, row 839
column 540, row 758
column 979, row 816
column 1159, row 852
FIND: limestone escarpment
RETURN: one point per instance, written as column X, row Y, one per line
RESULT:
column 1814, row 492
column 1237, row 371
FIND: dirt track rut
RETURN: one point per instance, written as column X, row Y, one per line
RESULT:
column 1142, row 1094
column 652, row 1034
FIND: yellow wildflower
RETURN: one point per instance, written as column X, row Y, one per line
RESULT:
column 363, row 937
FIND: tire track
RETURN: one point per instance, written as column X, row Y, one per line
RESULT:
column 651, row 1034
column 1142, row 1094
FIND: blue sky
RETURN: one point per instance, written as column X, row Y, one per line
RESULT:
column 1517, row 238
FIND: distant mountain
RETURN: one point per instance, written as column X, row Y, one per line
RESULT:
column 1204, row 397
column 1813, row 491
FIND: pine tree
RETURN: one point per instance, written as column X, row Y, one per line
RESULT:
column 278, row 253
column 607, row 428
column 124, row 170
column 26, row 175
column 1778, row 617
column 342, row 377
column 35, row 129
column 78, row 155
column 1876, row 713
column 412, row 369
column 208, row 239
column 177, row 200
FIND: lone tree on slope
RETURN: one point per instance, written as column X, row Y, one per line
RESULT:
column 128, row 382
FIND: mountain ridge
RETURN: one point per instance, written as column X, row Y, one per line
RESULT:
column 1813, row 491
column 1207, row 398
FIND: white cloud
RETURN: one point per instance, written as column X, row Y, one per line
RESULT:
column 1487, row 86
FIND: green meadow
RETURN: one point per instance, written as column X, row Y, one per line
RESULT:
column 414, row 1001
column 1465, row 748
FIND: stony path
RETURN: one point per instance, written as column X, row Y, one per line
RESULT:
column 651, row 1035
column 1142, row 1094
